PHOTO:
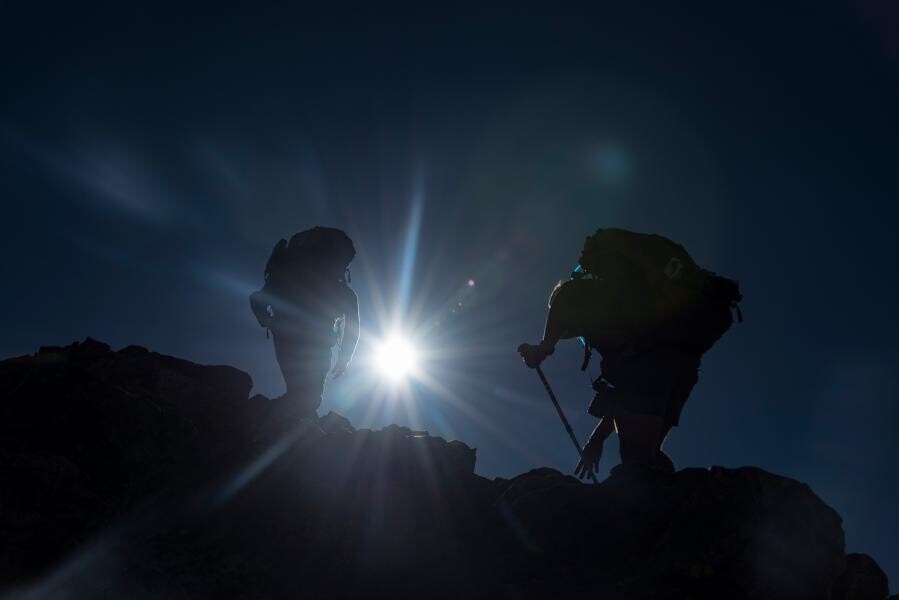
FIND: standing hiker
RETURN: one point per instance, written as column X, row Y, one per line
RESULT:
column 651, row 312
column 309, row 307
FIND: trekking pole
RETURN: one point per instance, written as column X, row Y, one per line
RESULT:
column 552, row 396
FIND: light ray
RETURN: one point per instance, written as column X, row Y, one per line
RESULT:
column 410, row 251
column 478, row 418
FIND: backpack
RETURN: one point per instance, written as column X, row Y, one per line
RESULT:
column 311, row 246
column 304, row 255
column 612, row 252
column 681, row 304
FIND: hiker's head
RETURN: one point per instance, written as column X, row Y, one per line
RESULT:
column 587, row 264
column 578, row 272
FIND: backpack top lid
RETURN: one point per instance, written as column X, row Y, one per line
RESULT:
column 610, row 248
column 316, row 246
column 323, row 242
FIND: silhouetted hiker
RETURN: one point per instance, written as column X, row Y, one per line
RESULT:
column 651, row 313
column 309, row 307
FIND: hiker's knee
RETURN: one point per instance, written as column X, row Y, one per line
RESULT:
column 664, row 462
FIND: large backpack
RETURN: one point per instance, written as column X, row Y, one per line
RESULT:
column 683, row 304
column 311, row 246
column 289, row 260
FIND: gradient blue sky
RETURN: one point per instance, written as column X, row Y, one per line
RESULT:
column 151, row 156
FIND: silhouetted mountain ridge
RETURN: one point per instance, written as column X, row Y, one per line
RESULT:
column 133, row 474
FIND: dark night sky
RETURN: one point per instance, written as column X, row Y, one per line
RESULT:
column 150, row 158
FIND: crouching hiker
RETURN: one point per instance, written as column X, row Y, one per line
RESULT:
column 644, row 305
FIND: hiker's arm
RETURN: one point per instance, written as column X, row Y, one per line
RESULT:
column 560, row 325
column 593, row 448
column 567, row 309
column 350, row 336
column 603, row 430
column 552, row 333
column 533, row 355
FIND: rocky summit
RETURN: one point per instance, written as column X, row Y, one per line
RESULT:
column 131, row 474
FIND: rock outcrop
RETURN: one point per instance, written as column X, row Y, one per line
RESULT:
column 132, row 474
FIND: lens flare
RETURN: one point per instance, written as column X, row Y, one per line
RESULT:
column 396, row 358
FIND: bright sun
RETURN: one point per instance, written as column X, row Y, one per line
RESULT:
column 396, row 358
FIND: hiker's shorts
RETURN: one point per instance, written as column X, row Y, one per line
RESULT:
column 650, row 383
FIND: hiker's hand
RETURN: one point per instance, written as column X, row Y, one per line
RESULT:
column 339, row 368
column 532, row 355
column 590, row 461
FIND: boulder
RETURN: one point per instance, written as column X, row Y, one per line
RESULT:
column 863, row 579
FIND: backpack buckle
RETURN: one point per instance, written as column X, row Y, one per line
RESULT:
column 674, row 269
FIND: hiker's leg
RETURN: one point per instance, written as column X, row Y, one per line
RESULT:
column 309, row 379
column 304, row 369
column 685, row 375
column 663, row 461
column 308, row 391
column 639, row 436
column 287, row 355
